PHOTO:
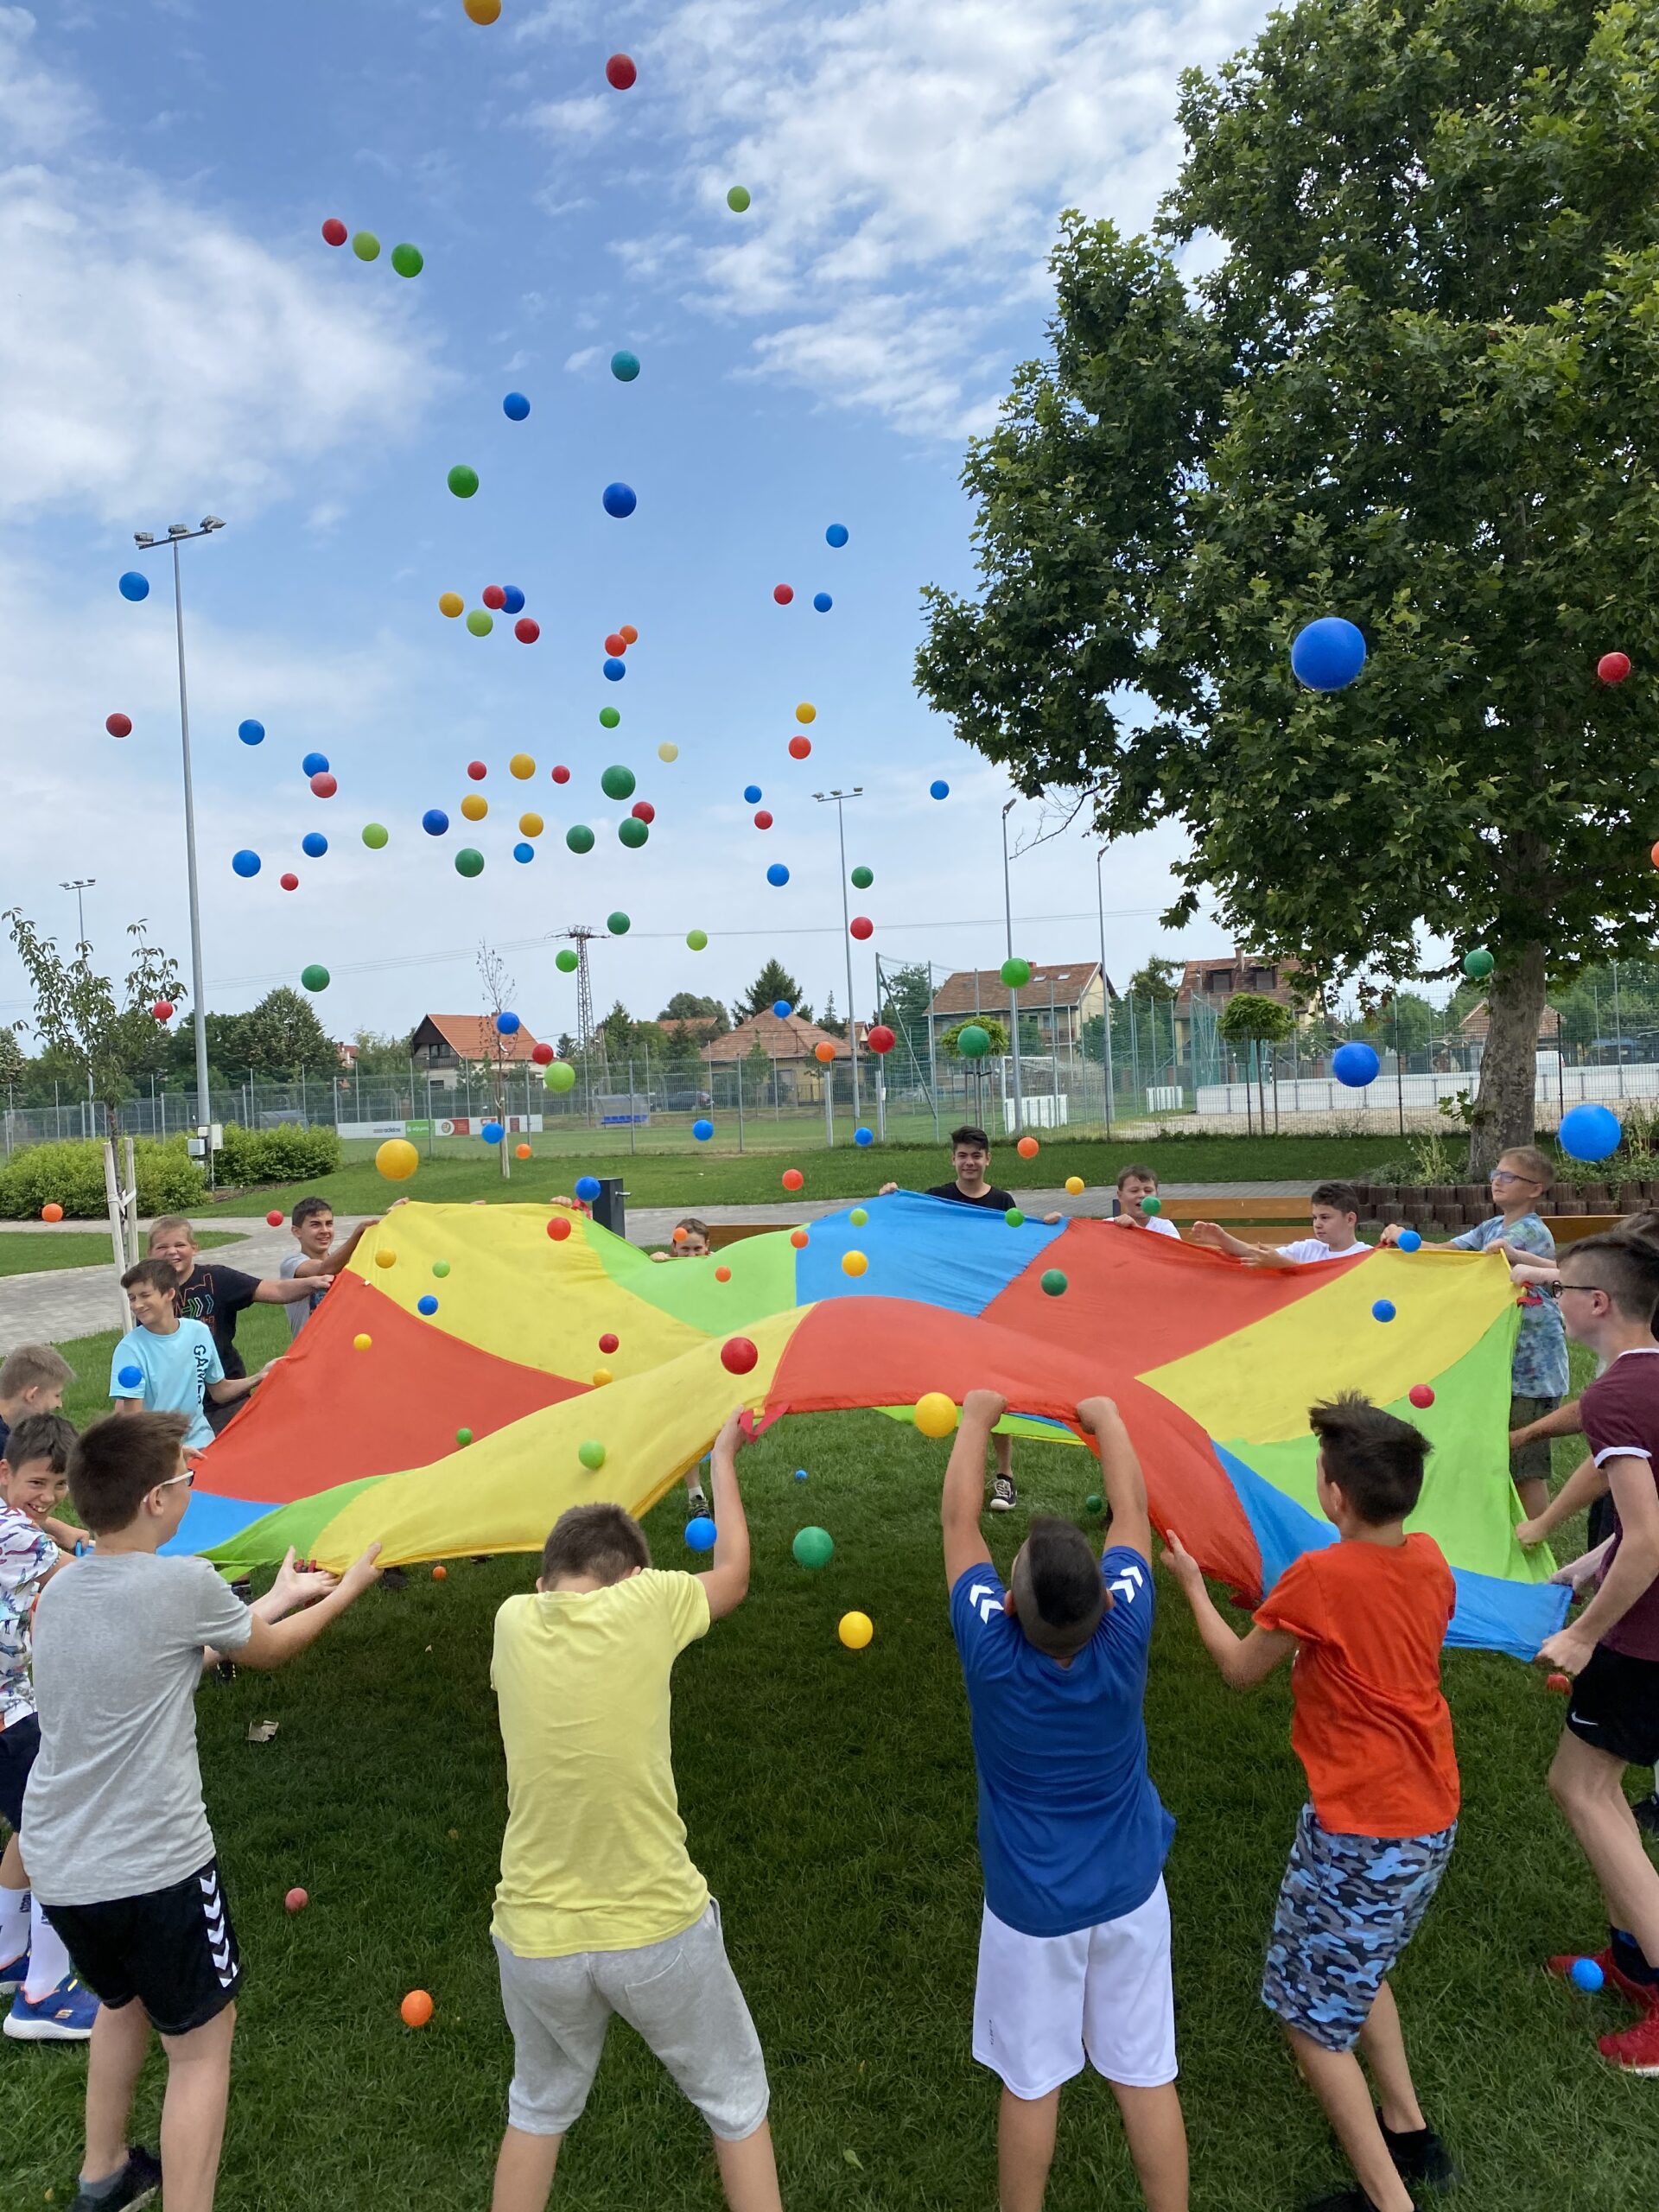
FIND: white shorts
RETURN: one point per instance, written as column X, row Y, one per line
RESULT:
column 1043, row 2004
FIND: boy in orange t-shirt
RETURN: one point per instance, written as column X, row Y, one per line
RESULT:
column 1365, row 1617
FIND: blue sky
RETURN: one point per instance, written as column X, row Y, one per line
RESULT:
column 178, row 340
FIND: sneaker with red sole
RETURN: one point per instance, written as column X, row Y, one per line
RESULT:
column 1635, row 2051
column 1645, row 1994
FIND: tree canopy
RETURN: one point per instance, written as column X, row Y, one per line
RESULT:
column 773, row 982
column 1418, row 387
column 106, row 1032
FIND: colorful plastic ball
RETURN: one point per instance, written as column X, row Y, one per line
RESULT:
column 1152, row 1204
column 579, row 837
column 701, row 1533
column 396, row 1160
column 492, row 1132
column 799, row 748
column 643, row 811
column 315, row 977
column 1053, row 1283
column 521, row 1152
column 1355, row 1065
column 862, row 926
column 1478, row 964
column 618, row 924
column 973, row 1042
column 334, row 231
column 837, row 534
column 530, row 825
column 864, row 1136
column 462, row 481
column 853, row 1263
column 246, row 862
column 567, row 960
column 823, row 602
column 633, row 832
column 813, row 1547
column 616, row 643
column 783, row 593
column 738, row 1354
column 792, row 1179
column 722, row 1274
column 1074, row 1187
column 1327, row 655
column 515, row 407
column 617, row 782
column 703, row 1131
column 806, row 712
column 118, row 725
column 1408, row 1240
column 541, row 1054
column 591, row 1454
column 1589, row 1132
column 386, row 1259
column 512, row 599
column 628, row 634
column 51, row 1211
column 324, row 786
column 668, row 751
column 782, row 1008
column 480, row 622
column 620, row 72
column 560, row 1077
column 858, row 1217
column 615, row 669
column 526, row 630
column 938, row 788
column 289, row 880
column 163, row 1010
column 880, row 1039
column 474, row 806
column 435, row 822
column 610, row 1342
column 777, row 875
column 824, row 1051
column 365, row 245
column 508, row 1024
column 1383, row 1309
column 493, row 597
column 861, row 878
column 315, row 764
column 426, row 1304
column 625, row 366
column 130, row 1378
column 752, row 794
column 619, row 500
column 1613, row 668
column 469, row 862
column 936, row 1414
column 451, row 603
column 1420, row 1395
column 250, row 731
column 275, row 1219
column 133, row 585
column 440, row 1267
column 697, row 940
column 416, row 2008
column 799, row 1239
column 1653, row 854
column 1014, row 1218
column 587, row 1188
column 522, row 766
column 1015, row 973
column 1584, row 1974
column 856, row 1630
column 483, row 11
column 763, row 819
column 408, row 260
column 738, row 200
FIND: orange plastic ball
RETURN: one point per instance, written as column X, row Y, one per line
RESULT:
column 793, row 1179
column 826, row 1052
column 51, row 1211
column 682, row 1236
column 797, row 1238
column 440, row 1574
column 416, row 2009
column 628, row 634
column 521, row 1152
column 1027, row 1148
column 722, row 1274
column 1653, row 856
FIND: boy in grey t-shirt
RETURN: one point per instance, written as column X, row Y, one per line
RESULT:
column 114, row 1833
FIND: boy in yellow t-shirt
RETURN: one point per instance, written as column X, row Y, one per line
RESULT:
column 600, row 1909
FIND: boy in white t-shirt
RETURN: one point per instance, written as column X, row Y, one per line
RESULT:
column 1134, row 1186
column 1335, row 1211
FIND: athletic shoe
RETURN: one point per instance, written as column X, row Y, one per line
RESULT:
column 1004, row 1497
column 63, row 2015
column 1635, row 2051
column 1645, row 1994
column 13, row 1977
column 141, row 2178
column 696, row 1503
column 1647, row 1813
column 1345, row 2200
column 1419, row 2155
column 394, row 1577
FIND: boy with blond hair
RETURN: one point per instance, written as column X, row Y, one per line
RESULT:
column 33, row 1380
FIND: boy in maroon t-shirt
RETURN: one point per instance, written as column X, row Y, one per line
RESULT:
column 1608, row 1291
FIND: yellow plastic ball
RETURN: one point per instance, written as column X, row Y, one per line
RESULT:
column 1074, row 1186
column 601, row 1376
column 451, row 603
column 521, row 765
column 474, row 806
column 483, row 11
column 853, row 1263
column 667, row 751
column 936, row 1414
column 530, row 825
column 806, row 712
column 856, row 1630
column 362, row 1344
column 383, row 1259
column 396, row 1160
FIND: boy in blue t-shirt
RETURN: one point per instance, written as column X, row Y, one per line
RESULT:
column 1074, row 1943
column 166, row 1365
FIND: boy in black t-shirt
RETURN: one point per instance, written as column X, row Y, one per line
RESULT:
column 216, row 1295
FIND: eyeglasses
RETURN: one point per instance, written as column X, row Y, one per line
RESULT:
column 1558, row 1290
column 1508, row 1175
column 189, row 1477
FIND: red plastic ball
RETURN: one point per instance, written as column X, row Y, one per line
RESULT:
column 763, row 820
column 616, row 645
column 793, row 1179
column 880, row 1039
column 335, row 232
column 1613, row 668
column 620, row 72
column 543, row 1055
column 609, row 1342
column 477, row 771
column 275, row 1219
column 799, row 748
column 296, row 1900
column 324, row 786
column 290, row 881
column 782, row 593
column 1562, row 1684
column 526, row 631
column 738, row 1354
column 561, row 775
column 494, row 597
column 118, row 725
column 162, row 1009
column 643, row 811
column 559, row 1228
column 862, row 926
column 1421, row 1395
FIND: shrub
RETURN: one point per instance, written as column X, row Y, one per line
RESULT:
column 71, row 1173
column 290, row 1152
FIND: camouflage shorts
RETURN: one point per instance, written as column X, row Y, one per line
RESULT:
column 1348, row 1906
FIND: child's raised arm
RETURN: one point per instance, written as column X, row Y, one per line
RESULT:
column 1244, row 1661
column 727, row 1583
column 273, row 1643
column 965, row 1485
column 1121, row 1476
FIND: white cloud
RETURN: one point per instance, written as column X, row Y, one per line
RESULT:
column 578, row 361
column 582, row 117
column 39, row 111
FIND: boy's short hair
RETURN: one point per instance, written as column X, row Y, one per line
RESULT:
column 1343, row 1195
column 304, row 1207
column 165, row 1221
column 1140, row 1175
column 1626, row 1268
column 693, row 1227
column 34, row 1367
column 968, row 1135
column 1375, row 1458
column 159, row 1274
column 1534, row 1163
column 50, row 1437
column 599, row 1539
column 116, row 1462
column 1056, row 1586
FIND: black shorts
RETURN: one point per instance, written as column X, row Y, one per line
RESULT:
column 174, row 1950
column 18, row 1744
column 1615, row 1707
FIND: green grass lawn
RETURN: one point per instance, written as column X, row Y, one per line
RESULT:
column 829, row 1798
column 708, row 1178
column 30, row 1253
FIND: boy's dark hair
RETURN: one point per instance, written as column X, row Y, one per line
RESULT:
column 1056, row 1586
column 159, row 1274
column 598, row 1540
column 118, row 1461
column 39, row 1436
column 1374, row 1459
column 968, row 1135
column 304, row 1207
column 1343, row 1195
column 1625, row 1267
column 1140, row 1175
column 34, row 1367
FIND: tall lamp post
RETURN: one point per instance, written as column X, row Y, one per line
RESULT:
column 838, row 799
column 1013, row 996
column 179, row 534
column 81, row 885
column 1105, row 988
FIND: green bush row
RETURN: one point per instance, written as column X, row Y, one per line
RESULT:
column 71, row 1175
column 287, row 1154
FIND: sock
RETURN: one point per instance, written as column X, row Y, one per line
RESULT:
column 49, row 1962
column 14, row 1924
column 99, row 2190
column 1628, row 1959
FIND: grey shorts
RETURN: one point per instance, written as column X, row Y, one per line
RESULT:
column 682, row 1998
column 1532, row 1462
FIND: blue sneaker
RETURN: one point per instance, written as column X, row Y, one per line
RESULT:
column 14, row 1975
column 63, row 2015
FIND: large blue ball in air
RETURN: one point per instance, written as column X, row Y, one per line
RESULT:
column 250, row 731
column 587, row 1188
column 615, row 669
column 246, row 863
column 1327, row 655
column 314, row 844
column 512, row 599
column 621, row 500
column 703, row 1131
column 837, row 534
column 823, row 602
column 492, row 1133
column 751, row 794
column 777, row 875
column 135, row 586
column 1355, row 1065
column 1589, row 1132
column 435, row 822
column 782, row 1008
column 938, row 789
column 515, row 407
column 426, row 1305
column 523, row 851
column 864, row 1136
column 700, row 1532
column 315, row 764
column 625, row 366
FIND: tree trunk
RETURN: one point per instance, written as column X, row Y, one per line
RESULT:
column 1506, row 1113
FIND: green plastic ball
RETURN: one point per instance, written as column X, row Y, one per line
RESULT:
column 973, row 1042
column 1016, row 973
column 738, row 200
column 440, row 1267
column 1478, row 964
column 480, row 621
column 579, row 837
column 1014, row 1218
column 374, row 835
column 408, row 260
column 697, row 939
column 1054, row 1283
column 560, row 1075
column 462, row 481
column 609, row 717
column 463, row 1436
column 567, row 962
column 315, row 978
column 365, row 245
column 858, row 1218
column 617, row 783
column 591, row 1454
column 863, row 877
column 813, row 1547
column 469, row 862
column 619, row 925
column 1094, row 1503
column 1152, row 1204
column 633, row 832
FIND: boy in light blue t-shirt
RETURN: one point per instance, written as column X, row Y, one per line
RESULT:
column 1074, row 1954
column 166, row 1365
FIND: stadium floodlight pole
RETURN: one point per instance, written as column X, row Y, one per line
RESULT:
column 1013, row 996
column 1105, row 988
column 81, row 885
column 839, row 799
column 179, row 534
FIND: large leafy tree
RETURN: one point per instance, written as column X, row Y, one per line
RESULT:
column 282, row 1037
column 1419, row 387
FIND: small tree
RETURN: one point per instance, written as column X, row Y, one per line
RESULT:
column 829, row 1020
column 109, row 1036
column 690, row 1006
column 773, row 982
column 13, row 1065
column 951, row 1039
column 500, row 990
column 282, row 1037
column 1250, row 1019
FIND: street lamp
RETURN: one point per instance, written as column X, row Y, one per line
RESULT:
column 1105, row 988
column 179, row 533
column 80, row 884
column 1013, row 996
column 838, row 799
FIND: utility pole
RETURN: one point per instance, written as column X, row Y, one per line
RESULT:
column 1013, row 996
column 582, row 937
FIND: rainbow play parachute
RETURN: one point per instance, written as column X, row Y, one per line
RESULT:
column 1213, row 1364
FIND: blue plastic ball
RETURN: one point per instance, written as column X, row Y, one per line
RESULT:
column 130, row 1378
column 435, row 822
column 315, row 764
column 244, row 862
column 837, row 534
column 751, row 794
column 864, row 1136
column 1355, row 1065
column 938, row 789
column 782, row 1008
column 515, row 407
column 250, row 731
column 492, row 1133
column 823, row 602
column 615, row 669
column 800, row 1474
column 1589, row 1132
column 587, row 1188
column 625, row 366
column 1584, row 1974
column 135, row 586
column 1408, row 1240
column 703, row 1131
column 700, row 1532
column 1383, row 1310
column 426, row 1305
column 621, row 500
column 777, row 875
column 314, row 844
column 512, row 599
column 508, row 1024
column 1327, row 655
column 523, row 851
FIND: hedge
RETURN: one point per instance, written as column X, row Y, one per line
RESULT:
column 71, row 1173
column 289, row 1153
